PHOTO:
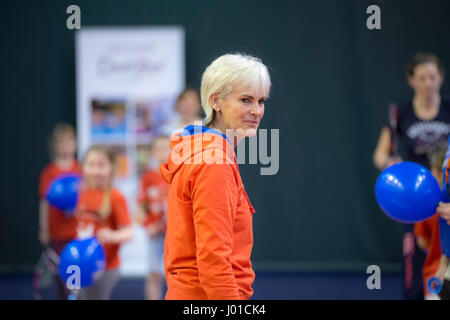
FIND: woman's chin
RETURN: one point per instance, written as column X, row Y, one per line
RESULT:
column 244, row 131
column 251, row 132
column 251, row 128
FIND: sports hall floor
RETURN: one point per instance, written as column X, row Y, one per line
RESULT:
column 267, row 286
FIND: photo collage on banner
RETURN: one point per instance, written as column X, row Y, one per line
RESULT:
column 128, row 80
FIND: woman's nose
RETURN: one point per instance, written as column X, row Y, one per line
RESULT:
column 256, row 110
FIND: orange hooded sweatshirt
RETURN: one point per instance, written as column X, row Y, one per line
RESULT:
column 209, row 235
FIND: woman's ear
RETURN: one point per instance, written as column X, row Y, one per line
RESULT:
column 214, row 101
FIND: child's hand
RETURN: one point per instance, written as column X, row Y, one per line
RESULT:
column 444, row 211
column 106, row 235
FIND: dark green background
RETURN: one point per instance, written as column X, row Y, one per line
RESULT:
column 332, row 82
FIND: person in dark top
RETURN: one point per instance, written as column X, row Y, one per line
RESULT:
column 420, row 136
column 421, row 124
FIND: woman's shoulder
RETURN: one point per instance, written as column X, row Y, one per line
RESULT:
column 207, row 174
column 405, row 107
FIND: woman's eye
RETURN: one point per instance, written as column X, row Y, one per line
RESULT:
column 262, row 101
column 245, row 100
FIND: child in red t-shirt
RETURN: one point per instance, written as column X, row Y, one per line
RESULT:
column 102, row 211
column 427, row 232
column 56, row 228
column 152, row 208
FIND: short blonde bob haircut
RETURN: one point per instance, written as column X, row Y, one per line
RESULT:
column 228, row 71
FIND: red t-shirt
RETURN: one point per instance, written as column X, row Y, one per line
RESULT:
column 153, row 194
column 61, row 226
column 429, row 229
column 90, row 202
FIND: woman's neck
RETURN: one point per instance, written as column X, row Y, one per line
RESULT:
column 235, row 138
column 426, row 102
column 217, row 126
column 426, row 107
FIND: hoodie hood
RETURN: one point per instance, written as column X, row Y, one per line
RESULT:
column 196, row 145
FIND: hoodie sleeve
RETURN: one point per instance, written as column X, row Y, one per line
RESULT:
column 214, row 198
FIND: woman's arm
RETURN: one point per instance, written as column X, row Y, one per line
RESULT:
column 214, row 198
column 381, row 157
column 43, row 235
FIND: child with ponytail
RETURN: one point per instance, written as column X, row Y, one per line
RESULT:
column 102, row 211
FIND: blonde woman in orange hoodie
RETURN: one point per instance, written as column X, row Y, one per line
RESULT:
column 209, row 235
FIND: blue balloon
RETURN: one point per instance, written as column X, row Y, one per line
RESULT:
column 407, row 192
column 83, row 260
column 63, row 192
